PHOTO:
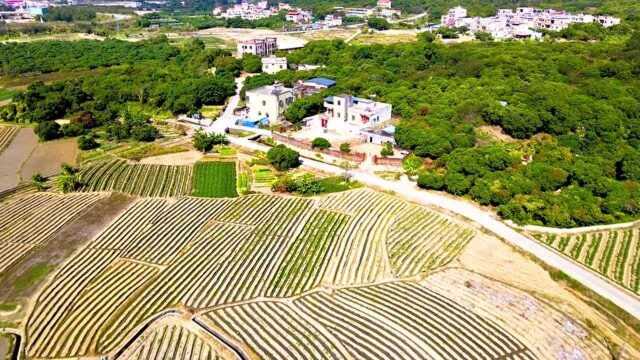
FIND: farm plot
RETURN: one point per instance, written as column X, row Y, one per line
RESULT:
column 199, row 254
column 614, row 254
column 171, row 339
column 394, row 320
column 28, row 222
column 214, row 179
column 7, row 134
column 137, row 179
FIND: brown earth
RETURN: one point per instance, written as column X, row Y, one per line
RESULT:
column 48, row 156
column 12, row 158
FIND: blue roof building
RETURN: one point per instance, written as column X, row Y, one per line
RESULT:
column 320, row 82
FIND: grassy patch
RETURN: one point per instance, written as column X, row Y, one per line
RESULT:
column 338, row 183
column 263, row 175
column 226, row 150
column 214, row 179
column 7, row 94
column 211, row 111
column 6, row 307
column 148, row 150
column 32, row 276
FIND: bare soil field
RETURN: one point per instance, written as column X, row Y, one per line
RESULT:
column 234, row 35
column 12, row 158
column 385, row 38
column 495, row 260
column 340, row 34
column 47, row 158
column 181, row 158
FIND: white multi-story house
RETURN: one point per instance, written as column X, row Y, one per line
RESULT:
column 449, row 20
column 272, row 64
column 521, row 23
column 261, row 47
column 347, row 114
column 298, row 16
column 384, row 4
column 268, row 102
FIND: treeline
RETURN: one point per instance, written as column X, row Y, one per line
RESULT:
column 572, row 111
column 70, row 13
column 206, row 21
column 51, row 56
column 180, row 84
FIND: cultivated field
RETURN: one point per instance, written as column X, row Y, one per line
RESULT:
column 6, row 135
column 28, row 222
column 200, row 254
column 137, row 179
column 613, row 253
column 214, row 179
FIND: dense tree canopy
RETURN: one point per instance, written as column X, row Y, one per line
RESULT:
column 572, row 110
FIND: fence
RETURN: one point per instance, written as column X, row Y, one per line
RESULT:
column 353, row 156
column 380, row 160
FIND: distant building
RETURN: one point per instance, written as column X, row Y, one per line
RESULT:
column 272, row 64
column 379, row 136
column 347, row 114
column 312, row 86
column 268, row 102
column 298, row 16
column 358, row 12
column 261, row 47
column 384, row 4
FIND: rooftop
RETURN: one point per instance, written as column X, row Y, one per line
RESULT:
column 321, row 81
column 270, row 90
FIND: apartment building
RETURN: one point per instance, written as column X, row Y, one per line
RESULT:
column 261, row 47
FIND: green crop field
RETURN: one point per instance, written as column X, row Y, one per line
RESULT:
column 214, row 179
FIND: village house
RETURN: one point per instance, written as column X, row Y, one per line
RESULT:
column 379, row 135
column 260, row 47
column 268, row 103
column 347, row 114
column 298, row 16
column 521, row 23
column 273, row 64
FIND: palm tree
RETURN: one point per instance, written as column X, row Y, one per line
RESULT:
column 39, row 182
column 69, row 179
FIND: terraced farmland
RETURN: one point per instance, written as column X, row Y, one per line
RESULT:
column 137, row 179
column 28, row 222
column 214, row 179
column 202, row 254
column 393, row 320
column 615, row 254
column 6, row 135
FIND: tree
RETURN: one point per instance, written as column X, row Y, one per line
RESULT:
column 387, row 149
column 204, row 142
column 283, row 158
column 38, row 181
column 411, row 164
column 251, row 63
column 69, row 179
column 345, row 148
column 320, row 143
column 72, row 130
column 304, row 107
column 378, row 23
column 87, row 142
column 47, row 130
column 431, row 180
column 144, row 132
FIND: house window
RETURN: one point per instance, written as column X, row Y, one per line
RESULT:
column 264, row 103
column 281, row 103
column 353, row 118
column 338, row 102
